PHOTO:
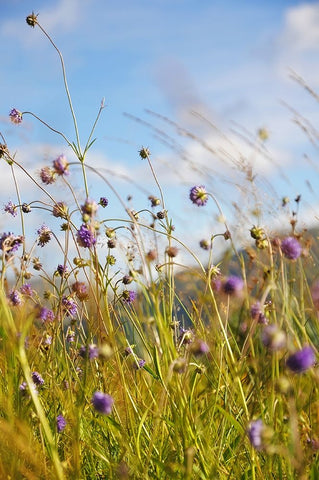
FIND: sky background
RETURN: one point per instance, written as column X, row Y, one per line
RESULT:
column 192, row 80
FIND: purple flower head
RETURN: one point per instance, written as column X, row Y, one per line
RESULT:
column 301, row 360
column 86, row 236
column 15, row 116
column 15, row 298
column 198, row 195
column 47, row 175
column 89, row 208
column 46, row 314
column 129, row 296
column 102, row 403
column 199, row 347
column 11, row 208
column 254, row 432
column 37, row 379
column 70, row 336
column 60, row 210
column 81, row 290
column 232, row 285
column 62, row 270
column 60, row 423
column 91, row 351
column 26, row 289
column 47, row 340
column 69, row 306
column 257, row 314
column 61, row 166
column 44, row 233
column 291, row 248
column 23, row 388
column 10, row 243
column 273, row 337
column 103, row 202
column 139, row 363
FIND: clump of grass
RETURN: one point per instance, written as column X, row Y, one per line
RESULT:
column 137, row 371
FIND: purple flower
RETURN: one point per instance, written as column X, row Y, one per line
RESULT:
column 257, row 314
column 15, row 116
column 232, row 285
column 81, row 290
column 129, row 296
column 11, row 208
column 69, row 306
column 291, row 248
column 10, row 243
column 46, row 314
column 61, row 166
column 60, row 210
column 139, row 363
column 37, row 379
column 47, row 175
column 198, row 195
column 44, row 233
column 86, row 236
column 70, row 336
column 301, row 360
column 23, row 387
column 102, row 403
column 26, row 289
column 60, row 423
column 103, row 202
column 15, row 298
column 254, row 431
column 199, row 347
column 91, row 351
column 61, row 270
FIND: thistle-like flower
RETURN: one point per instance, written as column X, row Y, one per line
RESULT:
column 291, row 248
column 102, row 403
column 198, row 195
column 15, row 116
column 301, row 360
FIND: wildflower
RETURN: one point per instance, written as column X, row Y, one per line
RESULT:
column 139, row 363
column 32, row 19
column 23, row 387
column 26, row 289
column 15, row 116
column 26, row 208
column 144, row 153
column 70, row 336
column 199, row 347
column 151, row 255
column 155, row 202
column 15, row 298
column 161, row 214
column 129, row 296
column 179, row 365
column 301, row 360
column 37, row 379
column 86, row 236
column 60, row 423
column 110, row 232
column 103, row 202
column 47, row 341
column 257, row 314
column 69, row 306
column 186, row 336
column 81, row 290
column 127, row 279
column 37, row 265
column 60, row 210
column 47, row 175
column 11, row 208
column 171, row 251
column 291, row 248
column 273, row 337
column 102, row 403
column 61, row 166
column 44, row 233
column 3, row 150
column 10, row 243
column 110, row 260
column 205, row 244
column 89, row 209
column 198, row 195
column 255, row 430
column 91, row 351
column 233, row 285
column 62, row 270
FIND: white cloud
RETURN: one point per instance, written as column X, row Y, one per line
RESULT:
column 301, row 30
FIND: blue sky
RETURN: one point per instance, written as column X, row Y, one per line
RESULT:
column 219, row 69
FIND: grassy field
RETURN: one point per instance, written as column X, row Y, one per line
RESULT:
column 140, row 372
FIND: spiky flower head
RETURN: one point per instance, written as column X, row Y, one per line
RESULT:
column 232, row 285
column 273, row 337
column 32, row 19
column 47, row 175
column 301, row 360
column 144, row 153
column 86, row 236
column 26, row 208
column 61, row 166
column 37, row 379
column 89, row 209
column 15, row 116
column 11, row 208
column 69, row 306
column 60, row 210
column 254, row 431
column 102, row 403
column 291, row 248
column 103, row 202
column 198, row 195
column 44, row 233
column 15, row 298
column 90, row 351
column 81, row 290
column 129, row 296
column 60, row 423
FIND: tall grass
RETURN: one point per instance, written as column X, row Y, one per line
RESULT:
column 137, row 371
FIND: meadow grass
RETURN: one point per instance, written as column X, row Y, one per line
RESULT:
column 144, row 371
